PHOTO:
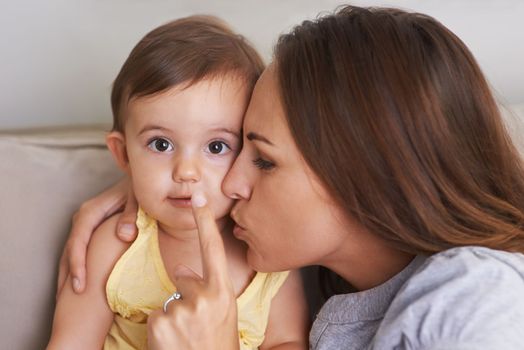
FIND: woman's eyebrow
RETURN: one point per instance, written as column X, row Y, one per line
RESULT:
column 251, row 136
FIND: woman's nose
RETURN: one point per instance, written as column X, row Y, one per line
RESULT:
column 186, row 169
column 237, row 183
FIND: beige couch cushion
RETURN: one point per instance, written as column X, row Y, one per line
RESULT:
column 44, row 176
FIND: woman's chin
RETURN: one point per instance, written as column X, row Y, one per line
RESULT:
column 259, row 263
column 252, row 260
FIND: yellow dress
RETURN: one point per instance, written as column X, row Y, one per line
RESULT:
column 139, row 284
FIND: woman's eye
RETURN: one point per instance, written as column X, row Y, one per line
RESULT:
column 218, row 147
column 160, row 145
column 263, row 164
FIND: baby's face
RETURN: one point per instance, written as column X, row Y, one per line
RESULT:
column 184, row 140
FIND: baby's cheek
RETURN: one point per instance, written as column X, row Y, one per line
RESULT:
column 222, row 205
column 146, row 186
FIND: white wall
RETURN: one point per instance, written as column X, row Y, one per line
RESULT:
column 59, row 57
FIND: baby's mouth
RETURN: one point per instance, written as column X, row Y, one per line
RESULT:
column 180, row 202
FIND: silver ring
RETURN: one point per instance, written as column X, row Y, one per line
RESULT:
column 174, row 296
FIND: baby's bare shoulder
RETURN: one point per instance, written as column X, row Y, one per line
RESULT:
column 105, row 240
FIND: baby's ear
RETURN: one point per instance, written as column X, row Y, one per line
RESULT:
column 116, row 143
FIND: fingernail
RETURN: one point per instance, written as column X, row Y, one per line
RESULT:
column 126, row 230
column 76, row 284
column 198, row 199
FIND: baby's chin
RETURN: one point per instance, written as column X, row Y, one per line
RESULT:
column 178, row 225
column 183, row 220
column 189, row 226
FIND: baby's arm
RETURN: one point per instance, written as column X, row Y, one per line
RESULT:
column 82, row 321
column 288, row 324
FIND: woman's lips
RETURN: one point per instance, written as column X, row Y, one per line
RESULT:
column 239, row 231
column 183, row 202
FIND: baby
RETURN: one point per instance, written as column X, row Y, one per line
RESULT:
column 178, row 104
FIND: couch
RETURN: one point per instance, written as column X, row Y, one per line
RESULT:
column 44, row 176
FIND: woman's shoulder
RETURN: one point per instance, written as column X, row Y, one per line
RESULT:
column 478, row 270
column 462, row 296
column 468, row 263
column 476, row 253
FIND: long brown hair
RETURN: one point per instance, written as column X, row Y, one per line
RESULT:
column 187, row 51
column 392, row 112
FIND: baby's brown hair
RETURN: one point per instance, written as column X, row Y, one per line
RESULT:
column 187, row 51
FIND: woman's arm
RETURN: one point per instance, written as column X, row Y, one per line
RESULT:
column 85, row 221
column 288, row 324
column 82, row 321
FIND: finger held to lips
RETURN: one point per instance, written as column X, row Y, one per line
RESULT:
column 211, row 244
column 198, row 200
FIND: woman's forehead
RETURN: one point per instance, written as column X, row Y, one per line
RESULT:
column 265, row 110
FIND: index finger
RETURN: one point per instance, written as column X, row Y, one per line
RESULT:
column 214, row 262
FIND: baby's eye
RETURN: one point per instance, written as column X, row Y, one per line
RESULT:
column 160, row 145
column 218, row 147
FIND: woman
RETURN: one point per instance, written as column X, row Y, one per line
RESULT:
column 372, row 147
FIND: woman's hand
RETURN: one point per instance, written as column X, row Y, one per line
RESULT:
column 91, row 214
column 206, row 316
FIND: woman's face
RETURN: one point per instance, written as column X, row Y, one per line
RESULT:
column 283, row 213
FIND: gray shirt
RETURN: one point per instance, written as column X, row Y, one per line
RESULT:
column 462, row 298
